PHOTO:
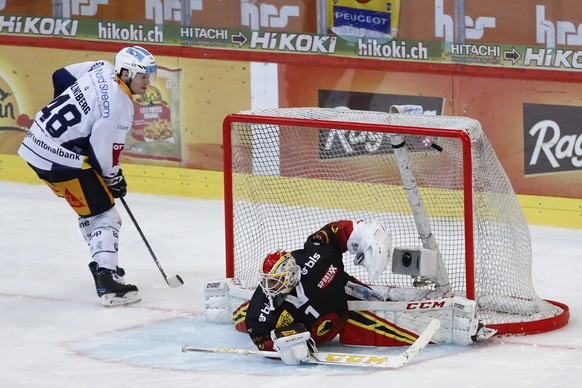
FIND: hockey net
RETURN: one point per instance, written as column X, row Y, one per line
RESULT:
column 290, row 171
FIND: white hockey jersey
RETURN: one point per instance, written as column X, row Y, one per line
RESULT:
column 87, row 123
column 78, row 70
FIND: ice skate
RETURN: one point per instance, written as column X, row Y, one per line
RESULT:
column 111, row 287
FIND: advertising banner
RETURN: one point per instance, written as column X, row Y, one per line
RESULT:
column 42, row 8
column 532, row 125
column 155, row 133
column 13, row 124
column 546, row 23
column 276, row 15
column 352, row 19
column 552, row 138
column 344, row 143
column 177, row 123
column 415, row 51
column 421, row 31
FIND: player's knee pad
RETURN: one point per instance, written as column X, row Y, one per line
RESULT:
column 101, row 232
column 108, row 219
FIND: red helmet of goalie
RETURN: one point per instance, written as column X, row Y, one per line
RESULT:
column 279, row 274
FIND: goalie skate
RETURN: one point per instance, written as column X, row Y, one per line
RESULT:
column 484, row 333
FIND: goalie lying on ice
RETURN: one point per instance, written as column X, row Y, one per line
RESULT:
column 309, row 286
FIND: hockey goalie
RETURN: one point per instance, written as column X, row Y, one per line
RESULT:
column 305, row 297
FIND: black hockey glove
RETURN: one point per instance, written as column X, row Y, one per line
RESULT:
column 117, row 185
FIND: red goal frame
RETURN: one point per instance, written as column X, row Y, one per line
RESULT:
column 529, row 327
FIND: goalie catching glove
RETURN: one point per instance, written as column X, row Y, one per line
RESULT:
column 372, row 245
column 293, row 343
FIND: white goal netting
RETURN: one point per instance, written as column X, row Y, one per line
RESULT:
column 289, row 172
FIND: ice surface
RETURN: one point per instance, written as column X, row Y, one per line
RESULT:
column 54, row 332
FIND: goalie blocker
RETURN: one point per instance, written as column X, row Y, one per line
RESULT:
column 370, row 323
column 293, row 343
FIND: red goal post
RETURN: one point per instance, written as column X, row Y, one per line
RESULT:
column 435, row 181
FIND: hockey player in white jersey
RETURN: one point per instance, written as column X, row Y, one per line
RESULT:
column 75, row 146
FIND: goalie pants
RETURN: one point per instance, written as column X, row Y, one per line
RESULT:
column 88, row 195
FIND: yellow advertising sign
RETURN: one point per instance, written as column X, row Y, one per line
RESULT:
column 155, row 133
column 13, row 124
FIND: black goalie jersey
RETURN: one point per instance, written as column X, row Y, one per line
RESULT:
column 318, row 301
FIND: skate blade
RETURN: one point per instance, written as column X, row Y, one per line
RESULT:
column 111, row 300
column 485, row 333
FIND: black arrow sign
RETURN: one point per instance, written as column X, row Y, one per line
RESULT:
column 238, row 38
column 512, row 55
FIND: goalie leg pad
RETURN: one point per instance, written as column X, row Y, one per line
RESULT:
column 216, row 302
column 222, row 298
column 363, row 292
column 399, row 323
column 366, row 328
column 465, row 322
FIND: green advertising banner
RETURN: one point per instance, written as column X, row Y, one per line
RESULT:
column 474, row 54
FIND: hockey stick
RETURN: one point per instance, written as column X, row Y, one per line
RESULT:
column 175, row 281
column 345, row 359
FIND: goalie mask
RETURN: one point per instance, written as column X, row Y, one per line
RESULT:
column 278, row 275
column 135, row 60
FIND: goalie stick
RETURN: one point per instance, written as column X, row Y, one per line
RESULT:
column 345, row 359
